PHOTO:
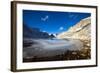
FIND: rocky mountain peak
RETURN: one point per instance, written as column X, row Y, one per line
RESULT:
column 81, row 30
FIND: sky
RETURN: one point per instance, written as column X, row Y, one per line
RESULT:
column 51, row 21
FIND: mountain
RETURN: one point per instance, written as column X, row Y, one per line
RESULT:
column 29, row 32
column 82, row 31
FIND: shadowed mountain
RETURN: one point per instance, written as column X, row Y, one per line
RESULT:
column 35, row 33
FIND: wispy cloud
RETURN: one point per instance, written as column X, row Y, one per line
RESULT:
column 61, row 28
column 45, row 18
column 72, row 16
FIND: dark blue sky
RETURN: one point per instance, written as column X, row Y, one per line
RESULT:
column 52, row 22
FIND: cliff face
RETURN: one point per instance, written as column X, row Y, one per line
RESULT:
column 82, row 31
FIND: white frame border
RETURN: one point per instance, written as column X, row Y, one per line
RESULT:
column 35, row 65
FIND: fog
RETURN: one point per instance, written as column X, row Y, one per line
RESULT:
column 50, row 47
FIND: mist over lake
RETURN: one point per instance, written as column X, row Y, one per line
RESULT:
column 50, row 47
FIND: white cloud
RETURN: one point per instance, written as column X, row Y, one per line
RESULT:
column 45, row 18
column 72, row 16
column 61, row 28
column 44, row 31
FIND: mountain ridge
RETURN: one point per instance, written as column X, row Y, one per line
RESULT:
column 35, row 33
column 81, row 30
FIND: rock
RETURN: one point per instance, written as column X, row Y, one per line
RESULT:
column 74, row 53
column 83, row 54
column 82, row 30
column 88, row 44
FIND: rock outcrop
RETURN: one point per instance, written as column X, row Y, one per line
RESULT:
column 82, row 31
